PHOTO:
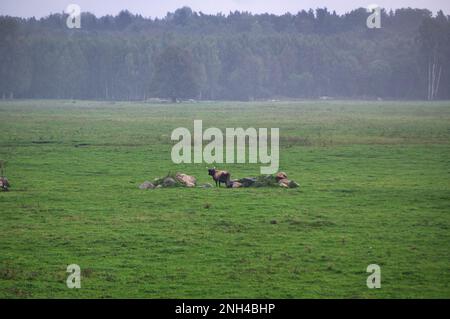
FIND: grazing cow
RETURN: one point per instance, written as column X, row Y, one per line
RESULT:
column 219, row 176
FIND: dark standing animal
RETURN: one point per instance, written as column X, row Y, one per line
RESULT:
column 219, row 176
column 4, row 184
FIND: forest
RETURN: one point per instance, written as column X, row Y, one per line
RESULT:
column 234, row 56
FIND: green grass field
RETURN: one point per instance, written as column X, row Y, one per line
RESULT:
column 375, row 188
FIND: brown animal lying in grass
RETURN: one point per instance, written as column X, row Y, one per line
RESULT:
column 219, row 176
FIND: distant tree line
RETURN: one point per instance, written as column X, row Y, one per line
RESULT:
column 239, row 56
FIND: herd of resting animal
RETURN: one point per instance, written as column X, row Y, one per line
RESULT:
column 220, row 177
column 224, row 177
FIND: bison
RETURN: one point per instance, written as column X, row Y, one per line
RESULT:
column 219, row 176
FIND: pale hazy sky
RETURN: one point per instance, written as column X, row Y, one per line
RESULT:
column 159, row 8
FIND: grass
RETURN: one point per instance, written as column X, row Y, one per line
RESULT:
column 374, row 176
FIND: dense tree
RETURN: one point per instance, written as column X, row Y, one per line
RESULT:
column 435, row 49
column 176, row 74
column 239, row 56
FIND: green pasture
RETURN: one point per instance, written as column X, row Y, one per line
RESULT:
column 375, row 189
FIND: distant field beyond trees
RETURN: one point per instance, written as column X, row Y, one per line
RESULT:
column 238, row 56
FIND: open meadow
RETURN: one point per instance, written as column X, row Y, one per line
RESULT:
column 374, row 189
